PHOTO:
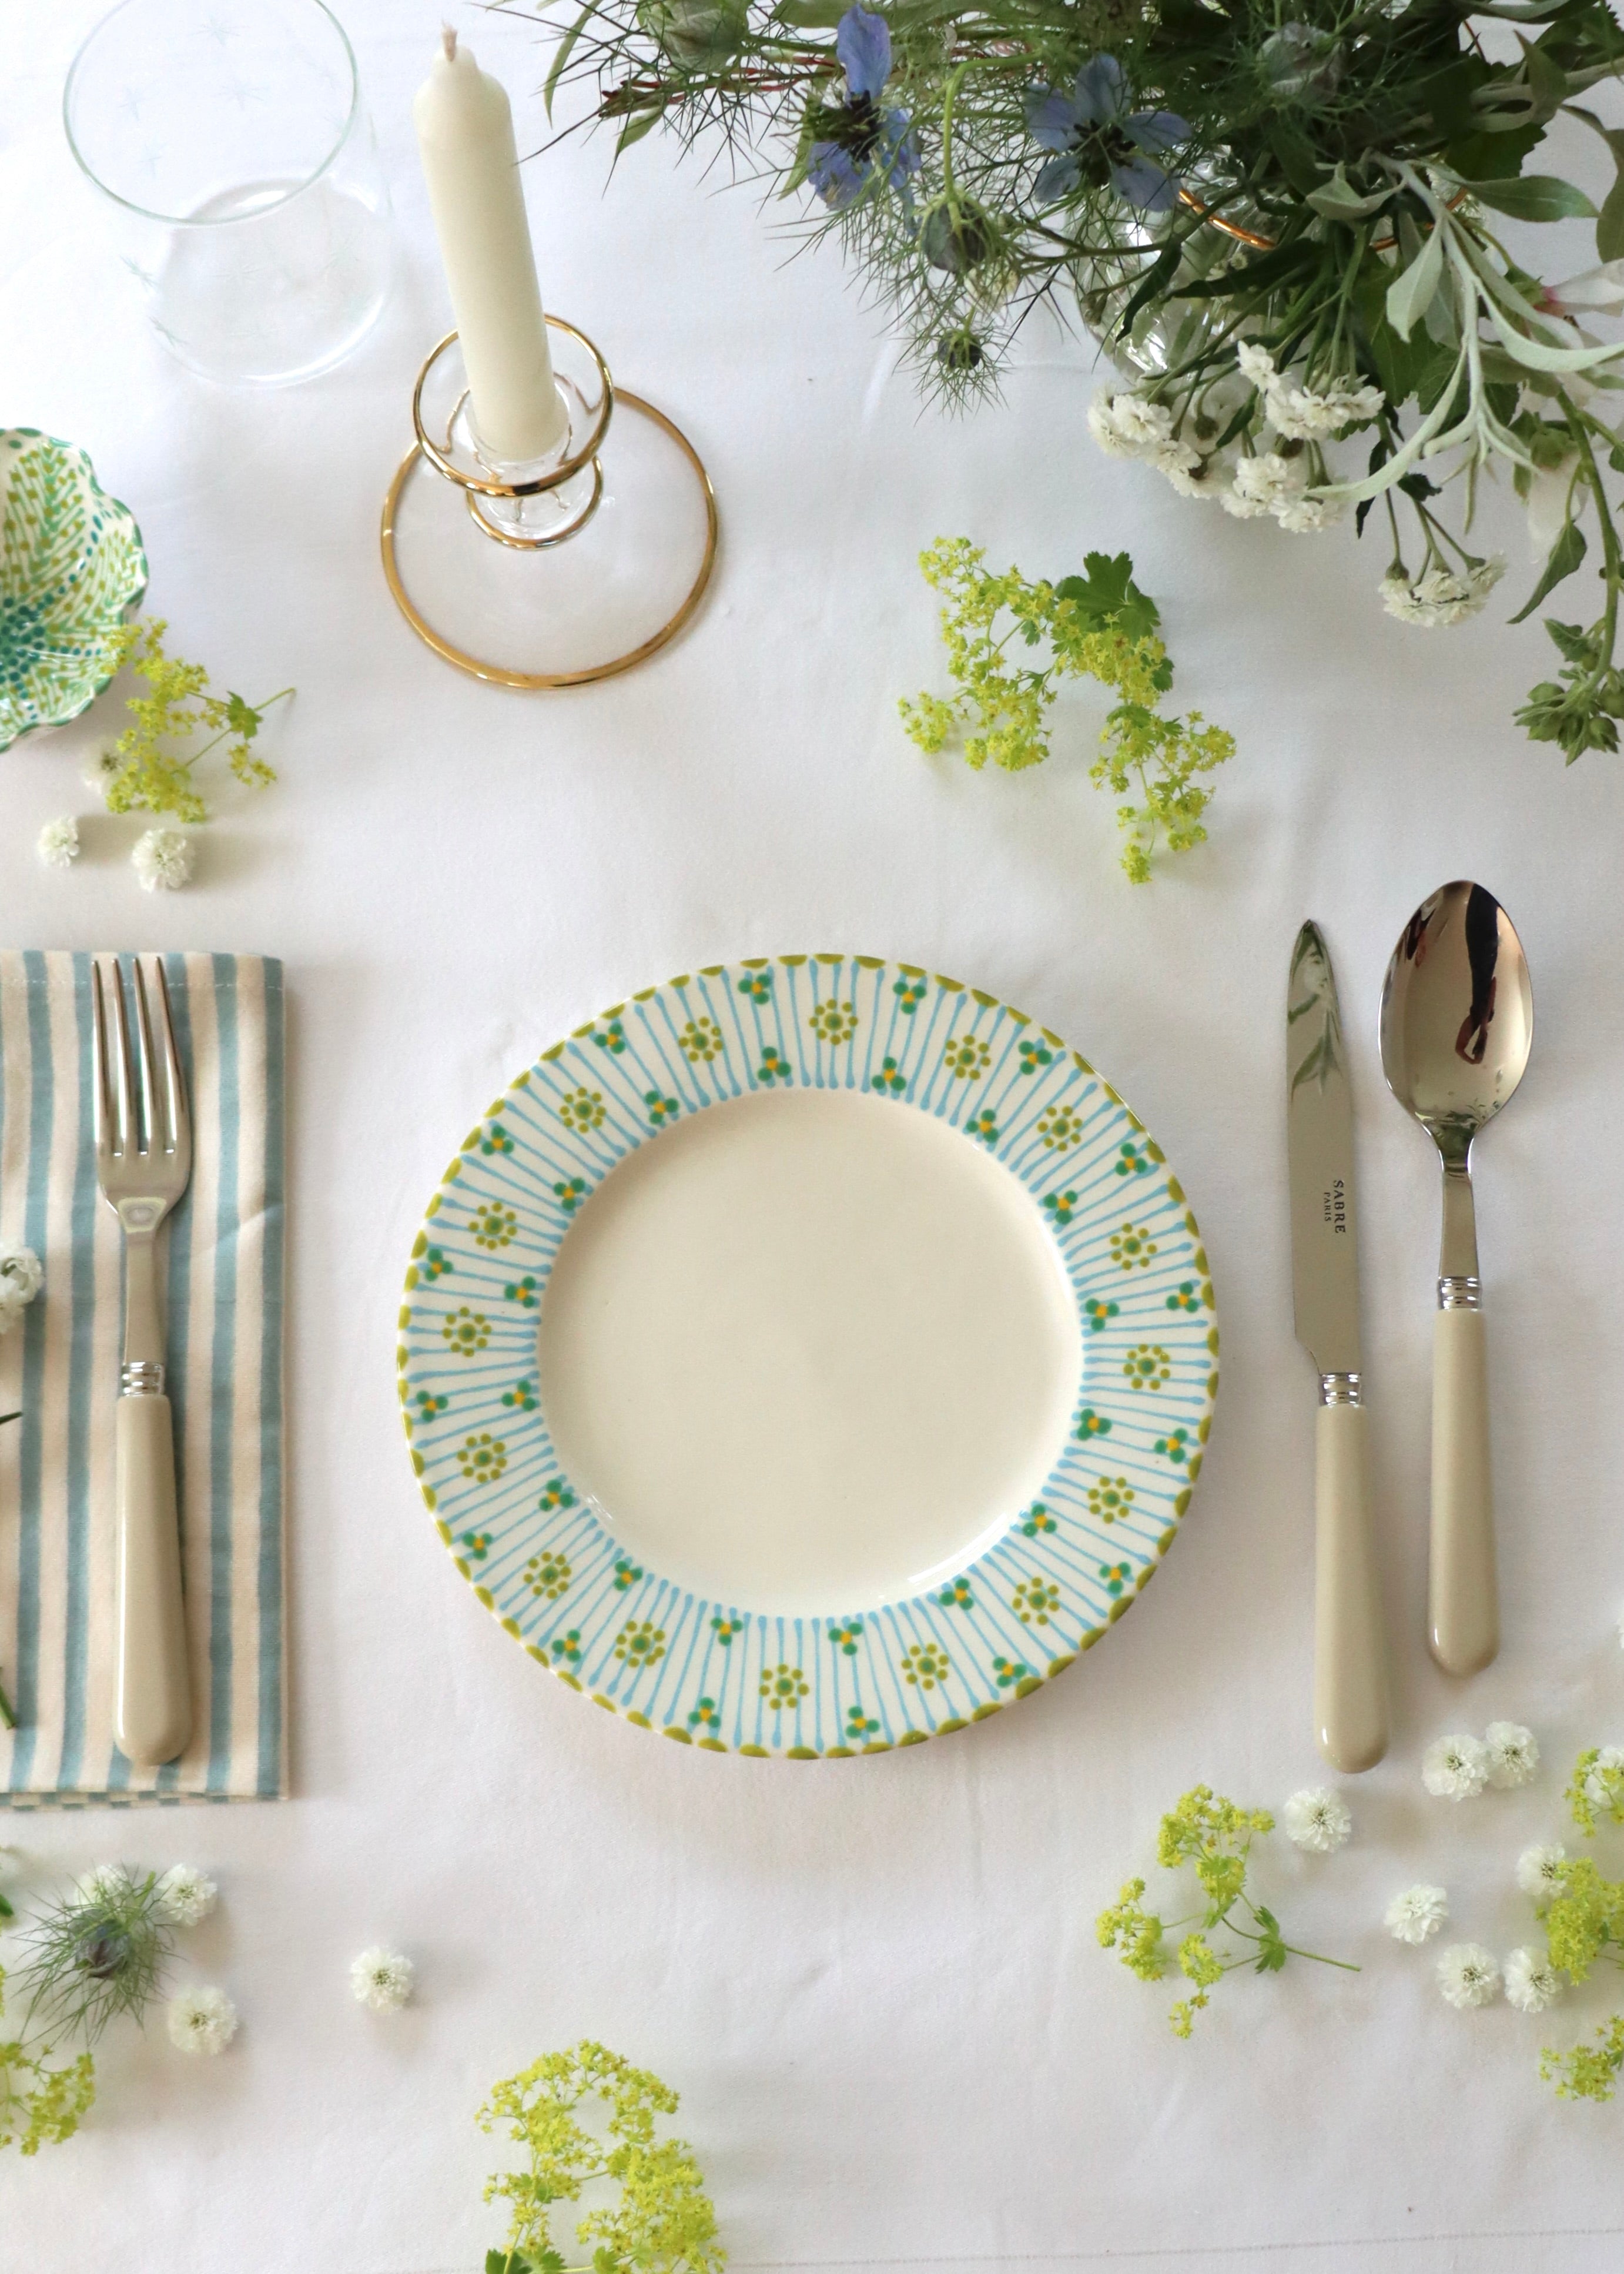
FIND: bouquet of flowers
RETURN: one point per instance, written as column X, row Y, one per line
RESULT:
column 1283, row 217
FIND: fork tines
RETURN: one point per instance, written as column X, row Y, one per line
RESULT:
column 122, row 1075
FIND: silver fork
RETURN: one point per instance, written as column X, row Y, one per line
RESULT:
column 144, row 1161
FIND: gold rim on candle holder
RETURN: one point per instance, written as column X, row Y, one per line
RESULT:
column 425, row 449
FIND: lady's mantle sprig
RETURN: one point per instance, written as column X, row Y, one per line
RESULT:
column 662, row 2223
column 1097, row 626
column 1213, row 1837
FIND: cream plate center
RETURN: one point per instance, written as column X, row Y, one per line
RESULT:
column 809, row 1352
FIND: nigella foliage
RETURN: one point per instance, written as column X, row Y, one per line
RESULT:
column 1280, row 214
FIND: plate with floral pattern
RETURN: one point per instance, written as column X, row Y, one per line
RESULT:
column 72, row 566
column 856, row 1648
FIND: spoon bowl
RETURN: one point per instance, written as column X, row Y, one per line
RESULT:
column 1457, row 1025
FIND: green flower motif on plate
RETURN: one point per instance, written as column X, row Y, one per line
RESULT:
column 1131, row 1161
column 1098, row 1315
column 910, row 993
column 1037, row 1520
column 1032, row 1055
column 611, row 1038
column 783, row 1685
column 640, row 1643
column 1090, row 1423
column 957, row 1596
column 556, row 1493
column 983, row 1125
column 889, row 1079
column 858, row 1726
column 1034, row 1600
column 566, row 1647
column 435, row 1264
column 467, row 1331
column 429, row 1403
column 548, row 1576
column 701, row 1041
column 72, row 566
column 705, row 1716
column 582, row 1110
column 1148, row 1366
column 481, row 1458
column 756, row 986
column 725, row 1630
column 1132, row 1247
column 1185, row 1297
column 477, row 1544
column 661, row 1110
column 967, row 1056
column 1059, row 1128
column 925, row 1664
column 522, row 1397
column 1175, row 1447
column 626, row 1574
column 1110, row 1497
column 570, row 1194
column 774, row 1067
column 1061, row 1205
column 496, row 1140
column 1007, row 1670
column 1116, row 1577
column 523, row 1292
column 834, row 1022
column 847, row 1636
column 495, row 1226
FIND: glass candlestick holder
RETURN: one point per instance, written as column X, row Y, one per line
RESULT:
column 473, row 546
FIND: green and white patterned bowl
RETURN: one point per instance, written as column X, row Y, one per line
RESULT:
column 847, row 1682
column 71, row 567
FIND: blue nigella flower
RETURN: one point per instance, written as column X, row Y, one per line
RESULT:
column 1099, row 139
column 860, row 137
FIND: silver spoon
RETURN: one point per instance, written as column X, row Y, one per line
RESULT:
column 1457, row 1023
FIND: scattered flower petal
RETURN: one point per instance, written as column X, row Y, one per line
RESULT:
column 1531, row 1981
column 202, row 2021
column 1417, row 1914
column 185, row 1896
column 1469, row 1974
column 1316, row 1819
column 1456, row 1768
column 382, row 1979
column 1513, row 1754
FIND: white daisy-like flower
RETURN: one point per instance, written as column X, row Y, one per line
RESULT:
column 1443, row 596
column 107, row 1883
column 1270, row 479
column 1513, row 1754
column 382, row 1979
column 162, row 860
column 1129, row 426
column 1456, row 1768
column 1256, row 363
column 1205, row 478
column 185, row 1896
column 57, row 844
column 1469, row 1974
column 1239, row 505
column 1415, row 1915
column 97, row 770
column 1598, row 1785
column 1307, row 414
column 1316, row 1819
column 21, row 1277
column 1539, row 1873
column 202, row 2021
column 1531, row 1981
column 1305, row 516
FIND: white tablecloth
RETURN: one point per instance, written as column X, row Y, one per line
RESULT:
column 875, row 1983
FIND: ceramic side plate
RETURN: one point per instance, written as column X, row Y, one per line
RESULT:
column 809, row 1357
column 71, row 567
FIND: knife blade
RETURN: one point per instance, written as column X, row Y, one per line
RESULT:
column 1350, row 1708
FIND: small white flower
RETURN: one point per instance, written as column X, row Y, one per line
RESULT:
column 1531, row 1981
column 21, row 1277
column 1597, row 1789
column 1194, row 477
column 1468, row 1975
column 202, row 2021
column 97, row 770
column 1316, row 1819
column 1239, row 505
column 382, row 1979
column 1513, row 1754
column 1270, row 480
column 162, row 860
column 1308, row 415
column 1417, row 1914
column 1443, row 596
column 1305, row 516
column 109, row 1883
column 1456, row 1768
column 185, row 1895
column 1127, row 425
column 1539, row 1873
column 1256, row 363
column 59, row 842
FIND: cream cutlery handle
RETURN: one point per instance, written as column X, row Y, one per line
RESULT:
column 1463, row 1604
column 1350, row 1679
column 152, row 1689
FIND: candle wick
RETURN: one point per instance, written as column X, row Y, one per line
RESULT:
column 450, row 38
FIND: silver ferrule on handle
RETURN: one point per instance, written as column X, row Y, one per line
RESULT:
column 140, row 1377
column 1342, row 1390
column 1462, row 1292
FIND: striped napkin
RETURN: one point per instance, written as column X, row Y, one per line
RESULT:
column 60, row 1366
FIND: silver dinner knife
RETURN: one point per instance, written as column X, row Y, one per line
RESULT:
column 1351, row 1685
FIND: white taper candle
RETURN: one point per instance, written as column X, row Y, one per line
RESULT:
column 471, row 162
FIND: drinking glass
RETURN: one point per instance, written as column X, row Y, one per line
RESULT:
column 239, row 169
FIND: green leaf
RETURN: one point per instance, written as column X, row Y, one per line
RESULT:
column 1548, row 81
column 1338, row 200
column 1610, row 223
column 1534, row 197
column 1564, row 558
column 1108, row 593
column 640, row 123
column 243, row 716
column 562, row 52
column 1410, row 294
